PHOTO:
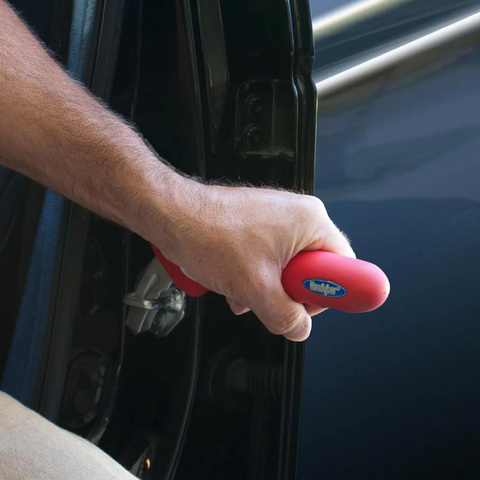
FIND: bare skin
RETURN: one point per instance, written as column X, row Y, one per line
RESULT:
column 235, row 241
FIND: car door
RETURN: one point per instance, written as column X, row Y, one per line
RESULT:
column 221, row 90
column 394, row 394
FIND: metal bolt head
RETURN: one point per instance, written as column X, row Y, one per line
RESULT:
column 254, row 106
column 158, row 323
column 170, row 314
column 253, row 136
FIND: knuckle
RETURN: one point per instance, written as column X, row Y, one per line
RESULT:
column 310, row 209
column 263, row 282
column 319, row 211
column 317, row 204
column 287, row 324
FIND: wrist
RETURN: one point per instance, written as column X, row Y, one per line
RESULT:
column 171, row 209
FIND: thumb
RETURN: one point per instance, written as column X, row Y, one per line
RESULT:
column 280, row 314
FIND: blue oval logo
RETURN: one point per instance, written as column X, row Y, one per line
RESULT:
column 324, row 288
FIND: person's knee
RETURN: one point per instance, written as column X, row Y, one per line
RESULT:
column 32, row 448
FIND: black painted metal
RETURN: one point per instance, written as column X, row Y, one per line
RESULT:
column 94, row 38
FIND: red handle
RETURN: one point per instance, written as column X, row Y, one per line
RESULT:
column 317, row 278
column 189, row 286
column 328, row 280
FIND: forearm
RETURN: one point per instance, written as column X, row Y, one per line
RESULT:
column 56, row 133
column 234, row 241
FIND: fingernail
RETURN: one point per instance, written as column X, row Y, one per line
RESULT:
column 300, row 334
column 237, row 308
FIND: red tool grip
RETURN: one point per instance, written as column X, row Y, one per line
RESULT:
column 189, row 286
column 323, row 279
column 328, row 280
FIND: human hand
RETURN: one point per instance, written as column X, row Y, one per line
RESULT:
column 236, row 241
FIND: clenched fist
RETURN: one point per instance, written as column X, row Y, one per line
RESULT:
column 236, row 241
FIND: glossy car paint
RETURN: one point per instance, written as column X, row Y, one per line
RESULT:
column 366, row 28
column 395, row 393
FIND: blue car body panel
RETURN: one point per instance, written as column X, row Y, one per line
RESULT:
column 395, row 393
